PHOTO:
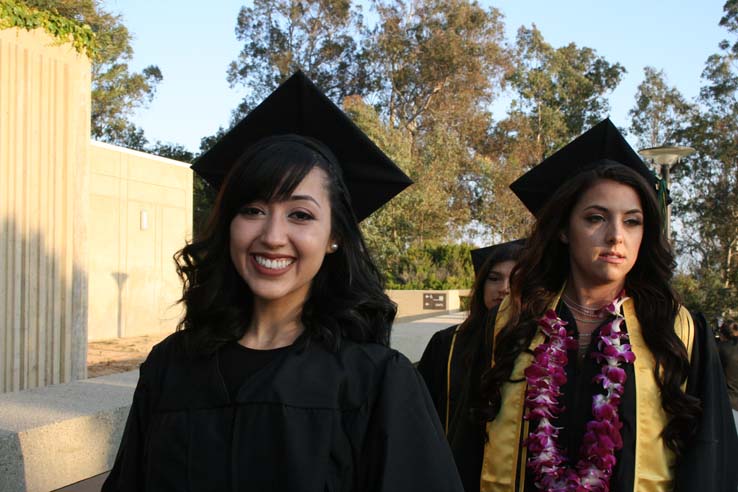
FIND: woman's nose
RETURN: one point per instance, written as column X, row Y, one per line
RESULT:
column 274, row 232
column 615, row 233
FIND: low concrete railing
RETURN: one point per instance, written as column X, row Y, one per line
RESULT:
column 54, row 436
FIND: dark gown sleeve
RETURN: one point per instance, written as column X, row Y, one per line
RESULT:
column 433, row 367
column 466, row 432
column 709, row 462
column 404, row 447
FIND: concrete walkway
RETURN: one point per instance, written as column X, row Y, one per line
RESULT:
column 412, row 337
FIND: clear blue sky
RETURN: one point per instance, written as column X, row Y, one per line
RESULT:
column 193, row 43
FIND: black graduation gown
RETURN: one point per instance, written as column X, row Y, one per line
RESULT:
column 433, row 366
column 728, row 351
column 311, row 420
column 707, row 464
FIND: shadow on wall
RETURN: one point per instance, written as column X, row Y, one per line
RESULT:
column 120, row 280
column 43, row 321
column 43, row 338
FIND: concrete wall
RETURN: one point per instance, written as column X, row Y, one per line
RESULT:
column 140, row 215
column 44, row 174
column 54, row 436
column 410, row 302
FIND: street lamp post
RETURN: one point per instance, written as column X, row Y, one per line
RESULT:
column 663, row 157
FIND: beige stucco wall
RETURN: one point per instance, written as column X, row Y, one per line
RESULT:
column 44, row 174
column 410, row 302
column 140, row 215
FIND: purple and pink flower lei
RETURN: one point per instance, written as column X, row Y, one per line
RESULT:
column 602, row 438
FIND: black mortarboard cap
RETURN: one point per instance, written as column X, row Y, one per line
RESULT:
column 601, row 143
column 479, row 256
column 298, row 107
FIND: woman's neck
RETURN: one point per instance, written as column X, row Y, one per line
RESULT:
column 273, row 325
column 592, row 296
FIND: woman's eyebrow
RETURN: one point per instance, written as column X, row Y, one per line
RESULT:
column 605, row 209
column 304, row 197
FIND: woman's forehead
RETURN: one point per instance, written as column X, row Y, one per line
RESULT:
column 611, row 195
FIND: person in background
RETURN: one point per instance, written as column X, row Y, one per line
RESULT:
column 447, row 358
column 280, row 377
column 728, row 350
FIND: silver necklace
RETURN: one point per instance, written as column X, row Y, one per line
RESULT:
column 583, row 310
column 580, row 320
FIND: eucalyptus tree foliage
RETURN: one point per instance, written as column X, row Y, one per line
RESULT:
column 660, row 113
column 557, row 93
column 116, row 90
column 420, row 77
column 281, row 36
column 708, row 209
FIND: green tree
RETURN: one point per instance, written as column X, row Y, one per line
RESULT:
column 116, row 91
column 281, row 36
column 441, row 65
column 560, row 92
column 660, row 113
column 441, row 62
column 557, row 94
column 433, row 266
column 709, row 208
column 391, row 229
column 419, row 82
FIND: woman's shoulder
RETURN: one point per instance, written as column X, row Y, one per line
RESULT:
column 690, row 326
column 445, row 334
column 164, row 353
column 441, row 340
column 376, row 367
column 370, row 355
column 348, row 377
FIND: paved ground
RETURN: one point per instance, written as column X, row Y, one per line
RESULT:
column 125, row 354
column 411, row 338
column 119, row 354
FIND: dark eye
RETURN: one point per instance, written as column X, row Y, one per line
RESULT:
column 493, row 278
column 594, row 219
column 633, row 221
column 249, row 211
column 301, row 216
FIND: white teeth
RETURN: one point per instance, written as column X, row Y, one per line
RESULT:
column 273, row 264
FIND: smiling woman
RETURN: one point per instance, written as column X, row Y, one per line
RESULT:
column 278, row 247
column 281, row 377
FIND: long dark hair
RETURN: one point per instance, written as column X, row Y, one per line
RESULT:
column 477, row 310
column 543, row 269
column 346, row 298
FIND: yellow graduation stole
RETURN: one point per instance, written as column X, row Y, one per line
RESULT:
column 654, row 461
